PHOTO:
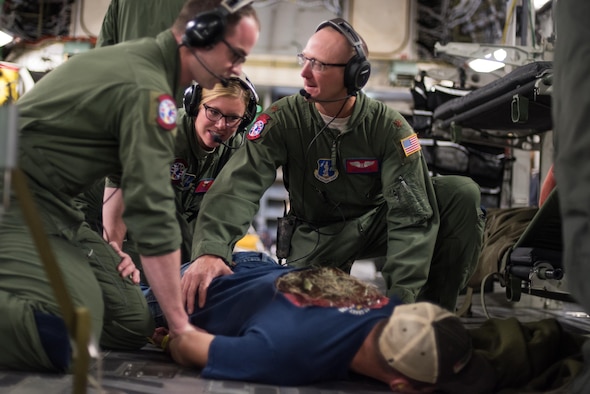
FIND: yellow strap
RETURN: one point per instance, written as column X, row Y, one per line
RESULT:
column 165, row 341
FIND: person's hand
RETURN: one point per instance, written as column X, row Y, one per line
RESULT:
column 198, row 277
column 126, row 267
column 160, row 338
column 191, row 348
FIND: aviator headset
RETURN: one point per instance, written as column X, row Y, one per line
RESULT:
column 358, row 68
column 208, row 28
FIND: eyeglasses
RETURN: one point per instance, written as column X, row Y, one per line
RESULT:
column 214, row 115
column 316, row 65
column 238, row 56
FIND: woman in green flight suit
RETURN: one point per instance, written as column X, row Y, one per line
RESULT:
column 210, row 129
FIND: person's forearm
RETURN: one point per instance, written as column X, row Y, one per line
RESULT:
column 114, row 228
column 163, row 274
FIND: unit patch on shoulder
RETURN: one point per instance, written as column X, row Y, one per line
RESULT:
column 258, row 127
column 166, row 117
column 411, row 144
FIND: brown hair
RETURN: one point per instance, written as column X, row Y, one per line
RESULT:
column 193, row 7
column 328, row 286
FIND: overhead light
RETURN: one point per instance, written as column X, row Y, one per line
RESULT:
column 491, row 57
column 484, row 65
column 500, row 54
column 5, row 38
column 491, row 62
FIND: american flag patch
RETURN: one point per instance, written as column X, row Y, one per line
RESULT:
column 411, row 144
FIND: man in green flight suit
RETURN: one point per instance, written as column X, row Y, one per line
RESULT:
column 109, row 111
column 127, row 20
column 358, row 185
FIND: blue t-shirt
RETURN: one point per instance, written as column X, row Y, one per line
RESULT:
column 262, row 336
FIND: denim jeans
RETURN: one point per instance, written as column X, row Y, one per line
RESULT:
column 242, row 259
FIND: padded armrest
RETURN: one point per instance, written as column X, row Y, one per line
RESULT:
column 506, row 84
column 489, row 107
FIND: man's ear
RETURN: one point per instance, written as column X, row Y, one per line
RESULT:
column 400, row 384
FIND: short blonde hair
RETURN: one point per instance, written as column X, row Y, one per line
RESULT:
column 234, row 89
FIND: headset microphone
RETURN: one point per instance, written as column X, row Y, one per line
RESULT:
column 224, row 81
column 308, row 97
column 304, row 93
column 218, row 139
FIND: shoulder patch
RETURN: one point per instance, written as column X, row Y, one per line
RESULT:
column 167, row 112
column 258, row 127
column 411, row 144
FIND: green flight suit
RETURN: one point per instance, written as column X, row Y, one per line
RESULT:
column 192, row 173
column 571, row 120
column 130, row 19
column 90, row 202
column 107, row 111
column 353, row 195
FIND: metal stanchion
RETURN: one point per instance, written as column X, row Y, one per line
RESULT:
column 8, row 149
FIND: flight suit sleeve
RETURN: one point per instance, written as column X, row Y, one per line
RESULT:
column 412, row 214
column 113, row 181
column 146, row 139
column 230, row 204
column 108, row 29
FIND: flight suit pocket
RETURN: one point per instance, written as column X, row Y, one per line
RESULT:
column 409, row 202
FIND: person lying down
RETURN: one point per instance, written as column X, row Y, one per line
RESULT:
column 272, row 324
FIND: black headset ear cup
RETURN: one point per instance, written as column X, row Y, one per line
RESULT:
column 191, row 99
column 356, row 74
column 358, row 68
column 251, row 110
column 252, row 107
column 206, row 28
